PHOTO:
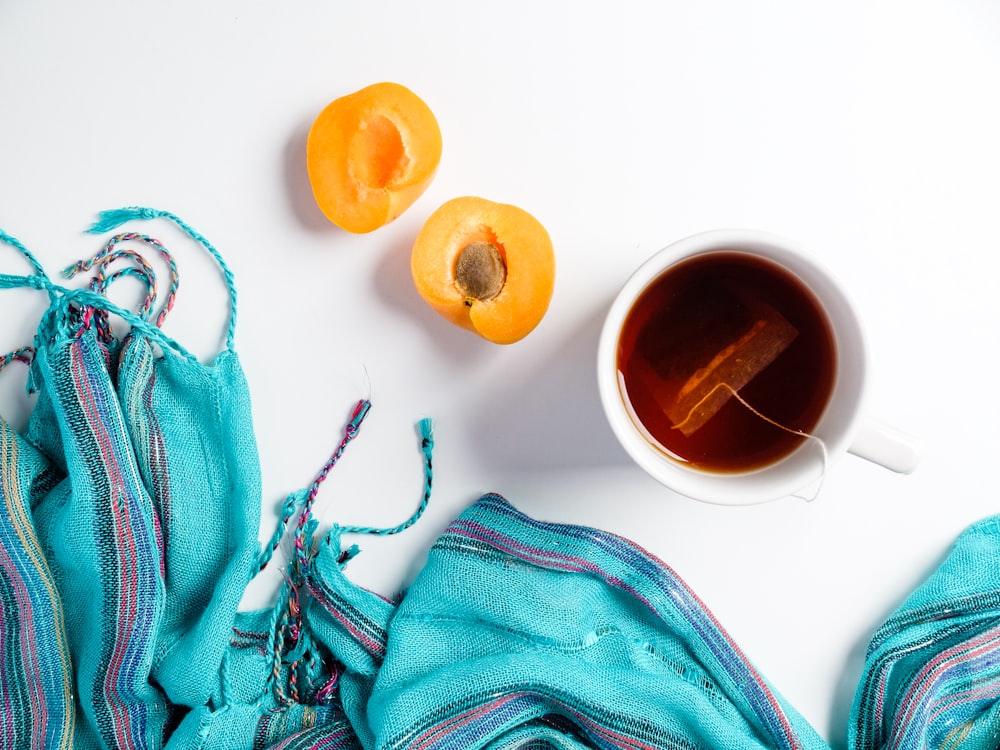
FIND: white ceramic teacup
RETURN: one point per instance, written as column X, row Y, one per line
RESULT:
column 843, row 427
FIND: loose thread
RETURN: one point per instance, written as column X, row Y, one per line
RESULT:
column 308, row 498
column 280, row 641
column 755, row 412
column 311, row 667
column 66, row 301
column 103, row 281
column 87, row 298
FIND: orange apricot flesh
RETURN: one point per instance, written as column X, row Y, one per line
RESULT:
column 487, row 267
column 371, row 154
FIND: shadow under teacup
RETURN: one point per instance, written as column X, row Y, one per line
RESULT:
column 732, row 367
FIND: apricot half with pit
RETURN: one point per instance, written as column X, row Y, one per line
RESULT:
column 371, row 154
column 487, row 267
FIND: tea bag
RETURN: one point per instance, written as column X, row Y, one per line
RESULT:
column 724, row 343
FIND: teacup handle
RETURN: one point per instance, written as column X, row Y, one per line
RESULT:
column 886, row 446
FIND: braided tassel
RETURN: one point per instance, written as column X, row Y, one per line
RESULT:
column 108, row 221
column 25, row 354
column 426, row 430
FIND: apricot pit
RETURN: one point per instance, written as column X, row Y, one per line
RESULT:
column 480, row 272
column 485, row 266
column 371, row 154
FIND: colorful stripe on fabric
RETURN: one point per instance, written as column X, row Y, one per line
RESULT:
column 128, row 711
column 473, row 726
column 318, row 728
column 972, row 664
column 322, row 738
column 36, row 692
column 907, row 641
column 147, row 436
column 365, row 631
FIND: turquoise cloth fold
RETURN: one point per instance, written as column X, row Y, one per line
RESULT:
column 517, row 629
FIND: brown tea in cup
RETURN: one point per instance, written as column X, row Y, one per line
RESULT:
column 726, row 361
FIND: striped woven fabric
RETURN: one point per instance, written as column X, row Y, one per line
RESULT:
column 932, row 673
column 36, row 691
column 521, row 629
column 192, row 436
column 101, row 534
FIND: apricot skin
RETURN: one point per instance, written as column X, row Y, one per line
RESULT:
column 371, row 154
column 527, row 253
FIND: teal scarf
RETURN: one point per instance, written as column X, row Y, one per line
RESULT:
column 129, row 520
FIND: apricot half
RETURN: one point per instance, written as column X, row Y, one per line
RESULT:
column 371, row 154
column 487, row 267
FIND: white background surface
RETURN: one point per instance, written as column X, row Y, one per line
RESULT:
column 866, row 129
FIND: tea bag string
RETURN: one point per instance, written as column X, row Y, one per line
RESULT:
column 108, row 221
column 800, row 433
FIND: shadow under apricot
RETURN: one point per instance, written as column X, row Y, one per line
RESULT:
column 297, row 187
